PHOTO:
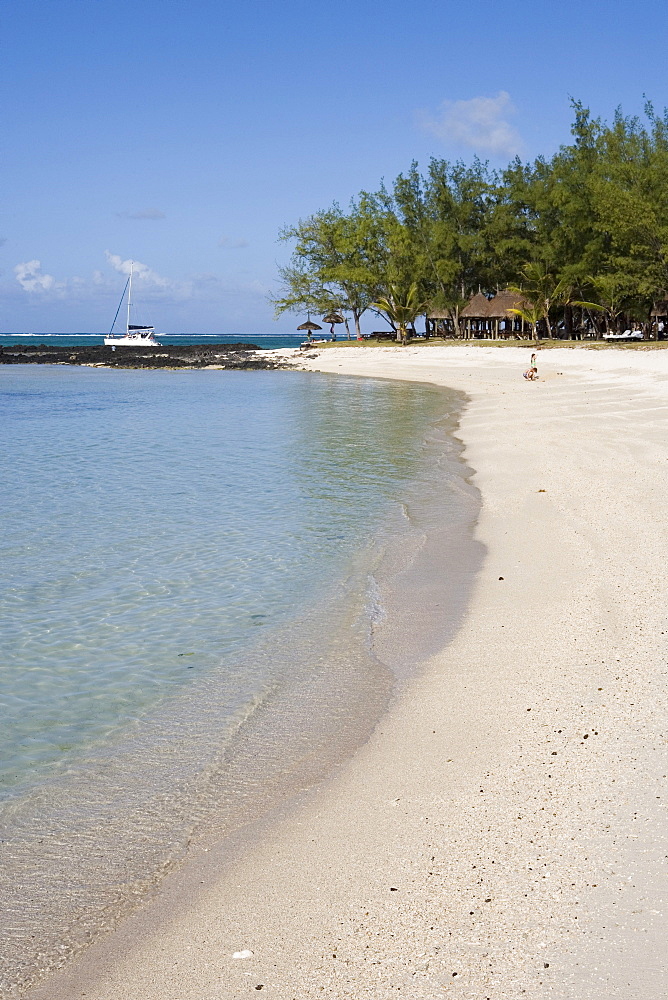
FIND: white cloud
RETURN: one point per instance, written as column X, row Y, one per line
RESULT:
column 30, row 278
column 227, row 241
column 480, row 123
column 145, row 213
column 140, row 271
column 100, row 288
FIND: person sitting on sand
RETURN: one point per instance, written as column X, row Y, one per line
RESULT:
column 531, row 374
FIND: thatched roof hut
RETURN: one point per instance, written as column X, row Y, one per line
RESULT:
column 438, row 314
column 483, row 317
column 478, row 307
column 499, row 307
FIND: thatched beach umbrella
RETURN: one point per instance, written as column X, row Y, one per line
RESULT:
column 332, row 318
column 309, row 326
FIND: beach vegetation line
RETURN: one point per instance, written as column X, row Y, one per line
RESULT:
column 571, row 246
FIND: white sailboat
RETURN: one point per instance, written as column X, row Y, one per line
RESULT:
column 136, row 335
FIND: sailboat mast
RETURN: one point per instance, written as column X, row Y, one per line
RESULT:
column 127, row 325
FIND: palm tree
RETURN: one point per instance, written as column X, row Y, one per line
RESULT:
column 532, row 315
column 542, row 290
column 613, row 294
column 401, row 306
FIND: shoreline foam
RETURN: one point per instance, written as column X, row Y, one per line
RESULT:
column 478, row 844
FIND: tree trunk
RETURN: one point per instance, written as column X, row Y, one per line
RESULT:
column 600, row 322
column 347, row 329
column 568, row 322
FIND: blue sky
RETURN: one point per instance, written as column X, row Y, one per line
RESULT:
column 185, row 133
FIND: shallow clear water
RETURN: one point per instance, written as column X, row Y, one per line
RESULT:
column 153, row 523
column 192, row 568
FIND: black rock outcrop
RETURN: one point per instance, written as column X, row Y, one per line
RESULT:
column 185, row 356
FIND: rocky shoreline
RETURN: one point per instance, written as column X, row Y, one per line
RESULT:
column 240, row 356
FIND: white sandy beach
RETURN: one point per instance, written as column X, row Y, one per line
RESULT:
column 503, row 832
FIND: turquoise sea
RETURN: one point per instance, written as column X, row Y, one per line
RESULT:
column 265, row 341
column 195, row 575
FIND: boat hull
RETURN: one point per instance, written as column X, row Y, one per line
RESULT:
column 132, row 341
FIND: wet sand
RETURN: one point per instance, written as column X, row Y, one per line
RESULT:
column 502, row 833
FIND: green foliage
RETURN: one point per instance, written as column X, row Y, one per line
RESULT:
column 401, row 306
column 338, row 261
column 532, row 315
column 584, row 232
column 541, row 288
